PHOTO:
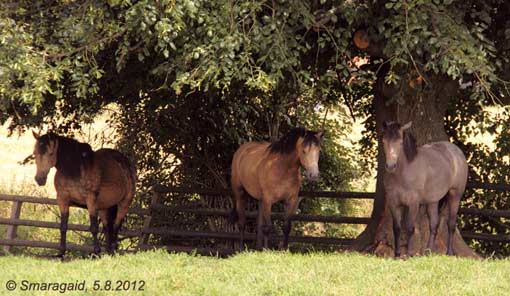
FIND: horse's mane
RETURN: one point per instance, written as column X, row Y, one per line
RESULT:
column 71, row 154
column 287, row 143
column 391, row 132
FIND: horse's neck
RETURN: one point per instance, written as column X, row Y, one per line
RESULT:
column 403, row 164
column 289, row 161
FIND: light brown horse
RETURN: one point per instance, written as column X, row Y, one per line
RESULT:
column 102, row 181
column 421, row 175
column 271, row 173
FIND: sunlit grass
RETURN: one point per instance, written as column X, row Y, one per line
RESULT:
column 270, row 273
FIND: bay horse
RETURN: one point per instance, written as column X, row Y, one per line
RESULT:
column 101, row 181
column 421, row 175
column 271, row 173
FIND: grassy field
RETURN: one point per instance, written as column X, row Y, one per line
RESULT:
column 267, row 273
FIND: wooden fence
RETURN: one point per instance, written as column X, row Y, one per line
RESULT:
column 14, row 221
column 156, row 207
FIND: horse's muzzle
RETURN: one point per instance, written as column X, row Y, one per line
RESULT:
column 391, row 167
column 41, row 181
column 314, row 177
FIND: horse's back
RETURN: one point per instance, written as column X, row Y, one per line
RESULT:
column 450, row 151
column 455, row 161
column 117, row 175
column 244, row 166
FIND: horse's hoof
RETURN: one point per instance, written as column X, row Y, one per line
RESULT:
column 94, row 256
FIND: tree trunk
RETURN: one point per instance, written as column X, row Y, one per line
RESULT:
column 423, row 103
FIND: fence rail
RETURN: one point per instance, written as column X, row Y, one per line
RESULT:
column 157, row 208
column 14, row 221
column 159, row 190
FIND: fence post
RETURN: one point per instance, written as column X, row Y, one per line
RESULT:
column 12, row 229
column 144, row 237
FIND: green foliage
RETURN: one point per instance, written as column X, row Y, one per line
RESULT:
column 70, row 59
column 194, row 79
column 489, row 163
column 439, row 37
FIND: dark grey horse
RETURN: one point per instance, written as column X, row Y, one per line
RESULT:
column 421, row 175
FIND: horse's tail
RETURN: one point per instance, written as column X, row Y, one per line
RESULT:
column 132, row 173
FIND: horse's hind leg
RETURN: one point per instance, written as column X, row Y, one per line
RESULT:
column 122, row 210
column 94, row 223
column 263, row 224
column 433, row 213
column 239, row 212
column 259, row 227
column 453, row 207
column 291, row 206
column 107, row 221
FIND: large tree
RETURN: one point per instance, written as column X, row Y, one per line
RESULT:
column 261, row 66
column 424, row 52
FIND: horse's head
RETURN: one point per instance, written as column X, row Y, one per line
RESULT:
column 393, row 141
column 45, row 153
column 309, row 150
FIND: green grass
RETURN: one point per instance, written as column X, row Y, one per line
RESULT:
column 269, row 273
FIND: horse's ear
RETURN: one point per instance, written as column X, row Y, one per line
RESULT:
column 51, row 135
column 384, row 125
column 320, row 135
column 36, row 135
column 406, row 126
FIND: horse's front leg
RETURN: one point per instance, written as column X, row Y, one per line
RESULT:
column 410, row 225
column 453, row 208
column 396, row 212
column 63, row 205
column 291, row 206
column 94, row 223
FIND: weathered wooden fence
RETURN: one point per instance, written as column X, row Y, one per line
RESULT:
column 159, row 191
column 156, row 207
column 14, row 221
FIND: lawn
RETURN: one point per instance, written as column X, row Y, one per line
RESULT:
column 265, row 273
